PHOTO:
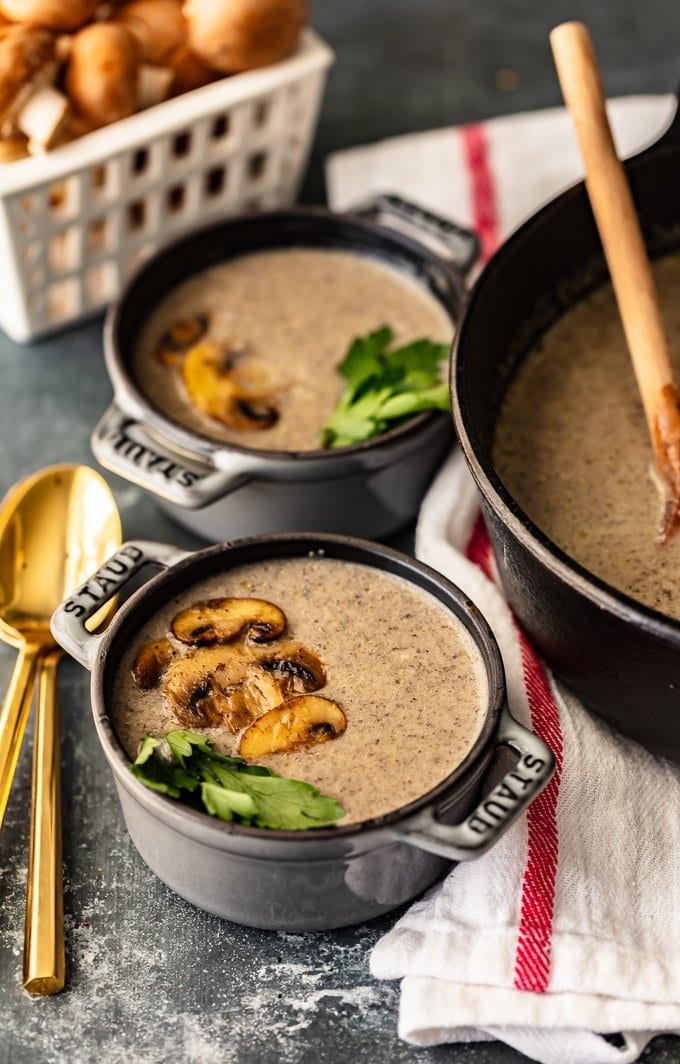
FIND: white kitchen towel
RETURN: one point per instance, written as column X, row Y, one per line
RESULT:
column 569, row 928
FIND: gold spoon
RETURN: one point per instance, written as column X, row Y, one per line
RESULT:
column 56, row 527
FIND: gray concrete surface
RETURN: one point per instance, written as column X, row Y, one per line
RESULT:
column 150, row 979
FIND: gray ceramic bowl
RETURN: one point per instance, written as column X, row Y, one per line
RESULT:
column 307, row 879
column 221, row 491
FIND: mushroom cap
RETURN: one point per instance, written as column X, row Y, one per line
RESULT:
column 24, row 51
column 52, row 14
column 213, row 386
column 190, row 71
column 203, row 688
column 158, row 26
column 303, row 721
column 102, row 73
column 220, row 620
column 236, row 35
column 179, row 337
column 151, row 662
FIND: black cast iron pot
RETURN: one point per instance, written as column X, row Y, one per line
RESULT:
column 621, row 658
column 301, row 880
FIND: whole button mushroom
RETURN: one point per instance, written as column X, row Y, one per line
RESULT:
column 161, row 31
column 237, row 35
column 158, row 26
column 53, row 14
column 102, row 76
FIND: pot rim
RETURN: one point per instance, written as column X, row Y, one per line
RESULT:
column 343, row 548
column 481, row 466
column 132, row 400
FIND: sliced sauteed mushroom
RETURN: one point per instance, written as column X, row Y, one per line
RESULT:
column 218, row 679
column 219, row 620
column 302, row 721
column 180, row 337
column 213, row 386
column 221, row 684
column 204, row 688
column 228, row 683
column 151, row 662
column 296, row 669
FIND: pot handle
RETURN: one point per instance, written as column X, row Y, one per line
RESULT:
column 68, row 621
column 456, row 245
column 496, row 811
column 123, row 445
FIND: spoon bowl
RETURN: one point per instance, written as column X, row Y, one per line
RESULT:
column 55, row 527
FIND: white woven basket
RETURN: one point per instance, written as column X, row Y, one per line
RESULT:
column 74, row 223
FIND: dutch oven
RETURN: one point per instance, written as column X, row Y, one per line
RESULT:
column 619, row 657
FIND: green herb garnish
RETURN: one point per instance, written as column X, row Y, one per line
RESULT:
column 385, row 386
column 184, row 765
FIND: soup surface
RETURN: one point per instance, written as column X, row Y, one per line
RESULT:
column 406, row 673
column 290, row 315
column 573, row 450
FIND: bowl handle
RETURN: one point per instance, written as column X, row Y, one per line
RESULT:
column 455, row 245
column 68, row 621
column 496, row 811
column 123, row 445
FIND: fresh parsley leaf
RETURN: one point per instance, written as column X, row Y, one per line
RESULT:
column 224, row 803
column 146, row 749
column 291, row 804
column 363, row 359
column 229, row 787
column 160, row 774
column 384, row 386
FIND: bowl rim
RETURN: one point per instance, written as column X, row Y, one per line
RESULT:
column 273, row 545
column 135, row 403
column 481, row 465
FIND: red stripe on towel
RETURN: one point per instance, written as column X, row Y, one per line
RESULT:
column 482, row 189
column 532, row 956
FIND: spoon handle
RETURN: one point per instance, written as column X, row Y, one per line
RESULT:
column 626, row 254
column 44, row 932
column 13, row 718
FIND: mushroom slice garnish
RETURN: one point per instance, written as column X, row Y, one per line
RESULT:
column 203, row 689
column 213, row 387
column 151, row 662
column 296, row 668
column 303, row 721
column 180, row 337
column 219, row 620
column 249, row 414
column 261, row 692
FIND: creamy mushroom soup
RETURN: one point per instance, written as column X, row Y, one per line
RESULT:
column 282, row 320
column 572, row 447
column 375, row 667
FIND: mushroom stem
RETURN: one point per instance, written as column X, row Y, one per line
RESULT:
column 155, row 84
column 626, row 256
column 43, row 118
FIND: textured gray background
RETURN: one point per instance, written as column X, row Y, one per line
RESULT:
column 151, row 979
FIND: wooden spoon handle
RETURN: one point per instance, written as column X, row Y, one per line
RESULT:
column 44, row 930
column 616, row 219
column 13, row 718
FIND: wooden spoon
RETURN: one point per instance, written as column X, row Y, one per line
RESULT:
column 626, row 255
